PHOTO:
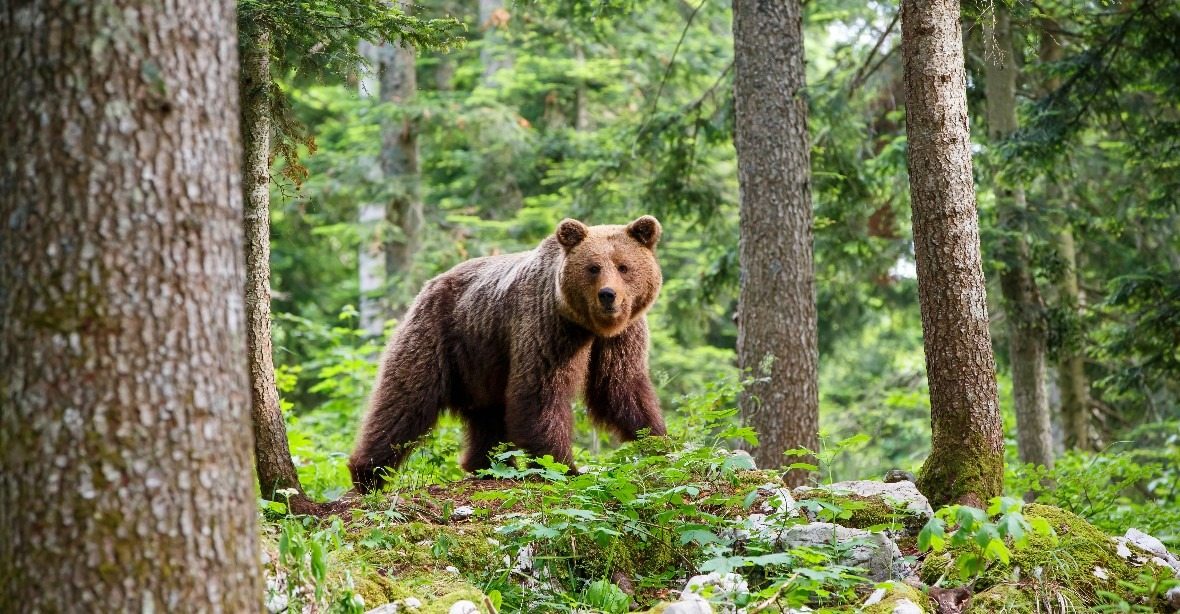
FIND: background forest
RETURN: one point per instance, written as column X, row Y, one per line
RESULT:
column 607, row 111
column 862, row 467
column 603, row 114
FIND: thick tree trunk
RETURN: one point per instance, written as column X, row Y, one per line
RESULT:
column 272, row 454
column 966, row 463
column 399, row 165
column 777, row 317
column 125, row 431
column 1071, row 374
column 1022, row 301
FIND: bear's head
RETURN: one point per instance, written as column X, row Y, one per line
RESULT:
column 609, row 276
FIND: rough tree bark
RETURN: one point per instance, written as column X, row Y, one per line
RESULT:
column 1022, row 301
column 777, row 313
column 966, row 463
column 1071, row 373
column 272, row 454
column 399, row 165
column 125, row 434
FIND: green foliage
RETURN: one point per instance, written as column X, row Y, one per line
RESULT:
column 1146, row 339
column 303, row 555
column 1134, row 484
column 977, row 541
column 1065, row 559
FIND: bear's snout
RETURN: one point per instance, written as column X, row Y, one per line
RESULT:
column 606, row 296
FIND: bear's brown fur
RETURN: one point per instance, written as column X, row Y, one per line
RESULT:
column 506, row 342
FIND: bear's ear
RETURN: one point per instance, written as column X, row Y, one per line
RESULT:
column 571, row 232
column 646, row 230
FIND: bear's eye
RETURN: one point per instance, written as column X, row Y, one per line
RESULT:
column 594, row 269
column 622, row 268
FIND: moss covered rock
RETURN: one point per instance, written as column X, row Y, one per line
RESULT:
column 1073, row 565
column 867, row 503
column 1003, row 599
column 434, row 593
column 423, row 546
column 894, row 596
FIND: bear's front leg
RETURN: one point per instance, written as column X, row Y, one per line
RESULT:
column 619, row 393
column 538, row 414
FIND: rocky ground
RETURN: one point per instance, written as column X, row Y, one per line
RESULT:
column 442, row 549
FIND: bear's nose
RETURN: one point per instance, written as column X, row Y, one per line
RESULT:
column 607, row 297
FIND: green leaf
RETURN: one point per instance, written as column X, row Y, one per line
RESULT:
column 577, row 513
column 997, row 550
column 932, row 536
column 722, row 564
column 750, row 498
column 969, row 565
column 1040, row 526
column 776, row 558
column 700, row 536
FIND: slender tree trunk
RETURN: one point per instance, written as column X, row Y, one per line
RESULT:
column 444, row 73
column 1022, row 301
column 125, row 431
column 272, row 454
column 371, row 309
column 581, row 104
column 501, row 193
column 1071, row 374
column 966, row 463
column 1075, row 386
column 493, row 55
column 777, row 320
column 399, row 165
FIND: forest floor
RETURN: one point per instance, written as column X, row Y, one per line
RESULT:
column 661, row 527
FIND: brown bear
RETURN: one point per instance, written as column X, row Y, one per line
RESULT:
column 507, row 341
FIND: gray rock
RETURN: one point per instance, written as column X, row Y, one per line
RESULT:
column 753, row 465
column 388, row 608
column 899, row 475
column 905, row 606
column 464, row 607
column 723, row 585
column 875, row 552
column 1154, row 546
column 1172, row 597
column 911, row 506
column 689, row 606
column 778, row 501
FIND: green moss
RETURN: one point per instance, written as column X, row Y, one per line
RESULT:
column 866, row 511
column 933, row 566
column 418, row 546
column 436, row 591
column 895, row 593
column 1002, row 599
column 634, row 558
column 375, row 589
column 651, row 446
column 745, row 481
column 443, row 604
column 1049, row 568
column 963, row 474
